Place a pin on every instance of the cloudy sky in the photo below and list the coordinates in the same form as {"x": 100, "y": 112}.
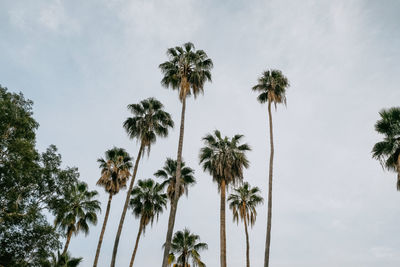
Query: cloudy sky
{"x": 83, "y": 62}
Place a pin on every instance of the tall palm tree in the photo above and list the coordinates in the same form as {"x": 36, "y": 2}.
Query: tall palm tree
{"x": 185, "y": 246}
{"x": 168, "y": 173}
{"x": 243, "y": 203}
{"x": 147, "y": 203}
{"x": 388, "y": 150}
{"x": 187, "y": 70}
{"x": 272, "y": 87}
{"x": 114, "y": 175}
{"x": 149, "y": 121}
{"x": 77, "y": 209}
{"x": 224, "y": 159}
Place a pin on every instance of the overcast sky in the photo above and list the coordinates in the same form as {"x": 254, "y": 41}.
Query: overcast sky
{"x": 83, "y": 62}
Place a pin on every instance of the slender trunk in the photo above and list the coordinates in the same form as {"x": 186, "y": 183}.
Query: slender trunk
{"x": 271, "y": 161}
{"x": 67, "y": 242}
{"x": 247, "y": 243}
{"x": 128, "y": 194}
{"x": 136, "y": 244}
{"x": 184, "y": 259}
{"x": 222, "y": 226}
{"x": 103, "y": 229}
{"x": 174, "y": 201}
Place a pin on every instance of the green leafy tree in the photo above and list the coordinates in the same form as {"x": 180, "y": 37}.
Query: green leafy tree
{"x": 272, "y": 87}
{"x": 77, "y": 209}
{"x": 243, "y": 203}
{"x": 186, "y": 246}
{"x": 33, "y": 183}
{"x": 148, "y": 122}
{"x": 388, "y": 150}
{"x": 187, "y": 70}
{"x": 224, "y": 159}
{"x": 168, "y": 173}
{"x": 147, "y": 203}
{"x": 114, "y": 175}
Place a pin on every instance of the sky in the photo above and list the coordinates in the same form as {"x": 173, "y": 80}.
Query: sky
{"x": 83, "y": 62}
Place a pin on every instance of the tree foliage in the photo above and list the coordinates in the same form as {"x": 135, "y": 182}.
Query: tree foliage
{"x": 32, "y": 183}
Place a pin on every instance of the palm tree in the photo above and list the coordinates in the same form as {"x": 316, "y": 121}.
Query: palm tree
{"x": 147, "y": 203}
{"x": 168, "y": 173}
{"x": 187, "y": 70}
{"x": 388, "y": 150}
{"x": 62, "y": 260}
{"x": 224, "y": 159}
{"x": 185, "y": 246}
{"x": 272, "y": 87}
{"x": 114, "y": 175}
{"x": 243, "y": 204}
{"x": 76, "y": 210}
{"x": 149, "y": 121}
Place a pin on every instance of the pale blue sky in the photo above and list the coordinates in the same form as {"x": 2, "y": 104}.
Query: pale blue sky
{"x": 83, "y": 62}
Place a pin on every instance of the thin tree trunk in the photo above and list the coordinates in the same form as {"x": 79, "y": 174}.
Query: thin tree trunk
{"x": 184, "y": 259}
{"x": 174, "y": 202}
{"x": 103, "y": 229}
{"x": 128, "y": 194}
{"x": 247, "y": 244}
{"x": 136, "y": 244}
{"x": 222, "y": 226}
{"x": 67, "y": 242}
{"x": 271, "y": 161}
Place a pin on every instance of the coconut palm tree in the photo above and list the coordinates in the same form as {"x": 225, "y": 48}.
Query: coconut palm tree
{"x": 114, "y": 175}
{"x": 224, "y": 159}
{"x": 185, "y": 246}
{"x": 62, "y": 260}
{"x": 148, "y": 122}
{"x": 187, "y": 70}
{"x": 388, "y": 150}
{"x": 77, "y": 209}
{"x": 272, "y": 87}
{"x": 168, "y": 173}
{"x": 147, "y": 203}
{"x": 243, "y": 203}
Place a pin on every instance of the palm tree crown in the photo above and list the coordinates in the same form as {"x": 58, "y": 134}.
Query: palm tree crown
{"x": 77, "y": 209}
{"x": 63, "y": 260}
{"x": 168, "y": 173}
{"x": 388, "y": 150}
{"x": 224, "y": 158}
{"x": 187, "y": 70}
{"x": 149, "y": 121}
{"x": 114, "y": 170}
{"x": 148, "y": 201}
{"x": 185, "y": 246}
{"x": 272, "y": 86}
{"x": 243, "y": 203}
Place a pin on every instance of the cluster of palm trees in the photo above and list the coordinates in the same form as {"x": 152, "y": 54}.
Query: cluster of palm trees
{"x": 186, "y": 70}
{"x": 224, "y": 158}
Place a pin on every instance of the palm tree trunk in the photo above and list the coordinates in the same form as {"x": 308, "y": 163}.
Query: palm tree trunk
{"x": 103, "y": 229}
{"x": 69, "y": 235}
{"x": 174, "y": 202}
{"x": 184, "y": 259}
{"x": 136, "y": 244}
{"x": 247, "y": 244}
{"x": 271, "y": 161}
{"x": 222, "y": 226}
{"x": 128, "y": 194}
